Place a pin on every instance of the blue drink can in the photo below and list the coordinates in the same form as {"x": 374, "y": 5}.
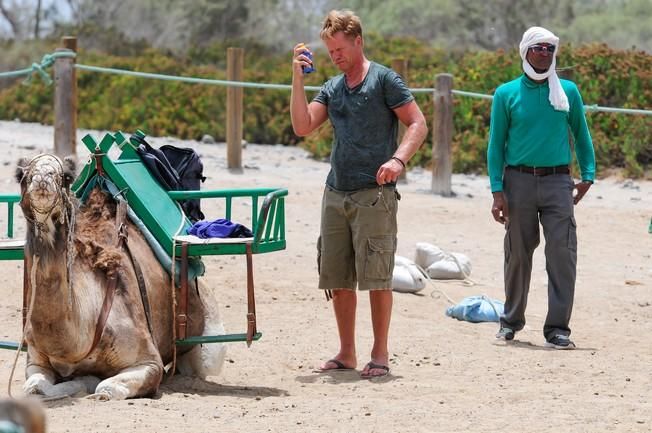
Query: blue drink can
{"x": 308, "y": 69}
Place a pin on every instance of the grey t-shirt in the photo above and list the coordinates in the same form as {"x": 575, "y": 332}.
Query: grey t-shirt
{"x": 365, "y": 126}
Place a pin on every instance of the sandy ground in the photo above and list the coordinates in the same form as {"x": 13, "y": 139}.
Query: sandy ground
{"x": 447, "y": 375}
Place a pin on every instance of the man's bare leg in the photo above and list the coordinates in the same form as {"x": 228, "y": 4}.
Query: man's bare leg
{"x": 344, "y": 305}
{"x": 381, "y": 313}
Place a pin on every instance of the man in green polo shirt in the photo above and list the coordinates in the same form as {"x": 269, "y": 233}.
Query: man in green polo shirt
{"x": 358, "y": 225}
{"x": 529, "y": 155}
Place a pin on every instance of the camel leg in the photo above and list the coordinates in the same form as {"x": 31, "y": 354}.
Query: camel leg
{"x": 39, "y": 380}
{"x": 136, "y": 381}
{"x": 76, "y": 387}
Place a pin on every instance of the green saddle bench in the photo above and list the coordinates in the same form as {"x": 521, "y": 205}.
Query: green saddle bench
{"x": 13, "y": 249}
{"x": 163, "y": 217}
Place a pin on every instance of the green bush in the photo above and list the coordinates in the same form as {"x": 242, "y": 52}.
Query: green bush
{"x": 605, "y": 76}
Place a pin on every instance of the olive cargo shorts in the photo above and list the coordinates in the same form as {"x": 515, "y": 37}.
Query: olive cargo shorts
{"x": 358, "y": 239}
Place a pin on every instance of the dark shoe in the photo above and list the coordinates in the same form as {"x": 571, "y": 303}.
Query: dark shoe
{"x": 505, "y": 333}
{"x": 560, "y": 342}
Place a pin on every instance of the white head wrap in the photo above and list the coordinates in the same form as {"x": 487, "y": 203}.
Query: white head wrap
{"x": 537, "y": 35}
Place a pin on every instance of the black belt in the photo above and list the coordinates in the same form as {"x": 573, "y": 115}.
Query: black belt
{"x": 540, "y": 171}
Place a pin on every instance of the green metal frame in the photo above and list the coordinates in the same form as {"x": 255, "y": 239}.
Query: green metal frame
{"x": 163, "y": 216}
{"x": 160, "y": 212}
{"x": 13, "y": 253}
{"x": 12, "y": 346}
{"x": 228, "y": 338}
{"x": 16, "y": 253}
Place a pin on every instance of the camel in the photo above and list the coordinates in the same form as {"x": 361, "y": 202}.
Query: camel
{"x": 75, "y": 256}
{"x": 26, "y": 415}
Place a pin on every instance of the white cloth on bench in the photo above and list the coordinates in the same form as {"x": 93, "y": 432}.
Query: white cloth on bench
{"x": 197, "y": 240}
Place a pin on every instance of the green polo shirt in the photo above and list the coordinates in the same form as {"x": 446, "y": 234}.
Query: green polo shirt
{"x": 527, "y": 130}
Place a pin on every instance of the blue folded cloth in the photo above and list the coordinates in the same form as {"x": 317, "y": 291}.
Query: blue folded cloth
{"x": 477, "y": 309}
{"x": 219, "y": 228}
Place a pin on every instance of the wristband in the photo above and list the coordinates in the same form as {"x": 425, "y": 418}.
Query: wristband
{"x": 399, "y": 160}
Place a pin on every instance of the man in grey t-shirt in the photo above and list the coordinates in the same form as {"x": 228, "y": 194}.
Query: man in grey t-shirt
{"x": 358, "y": 225}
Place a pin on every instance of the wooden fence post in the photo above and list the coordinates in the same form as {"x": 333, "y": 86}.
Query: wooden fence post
{"x": 400, "y": 66}
{"x": 442, "y": 165}
{"x": 234, "y": 112}
{"x": 65, "y": 100}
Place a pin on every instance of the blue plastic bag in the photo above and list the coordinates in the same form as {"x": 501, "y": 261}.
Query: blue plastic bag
{"x": 477, "y": 309}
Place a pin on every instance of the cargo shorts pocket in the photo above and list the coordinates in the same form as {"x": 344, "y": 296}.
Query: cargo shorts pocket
{"x": 572, "y": 234}
{"x": 380, "y": 258}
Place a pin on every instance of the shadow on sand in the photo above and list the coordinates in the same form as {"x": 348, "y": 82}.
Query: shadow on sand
{"x": 190, "y": 385}
{"x": 522, "y": 344}
{"x": 335, "y": 377}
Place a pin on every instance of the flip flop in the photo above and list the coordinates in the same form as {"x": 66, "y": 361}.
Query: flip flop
{"x": 373, "y": 366}
{"x": 339, "y": 364}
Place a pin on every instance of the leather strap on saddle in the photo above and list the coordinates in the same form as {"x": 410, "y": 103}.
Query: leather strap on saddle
{"x": 142, "y": 287}
{"x": 251, "y": 301}
{"x": 121, "y": 229}
{"x": 104, "y": 312}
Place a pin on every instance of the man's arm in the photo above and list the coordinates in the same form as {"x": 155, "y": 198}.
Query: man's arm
{"x": 583, "y": 144}
{"x": 416, "y": 130}
{"x": 305, "y": 117}
{"x": 496, "y": 157}
{"x": 498, "y": 128}
{"x": 411, "y": 116}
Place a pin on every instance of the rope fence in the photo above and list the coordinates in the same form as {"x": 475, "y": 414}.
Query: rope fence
{"x": 38, "y": 68}
{"x": 64, "y": 61}
{"x": 49, "y": 59}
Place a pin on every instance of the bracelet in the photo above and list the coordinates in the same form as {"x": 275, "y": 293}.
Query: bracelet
{"x": 399, "y": 160}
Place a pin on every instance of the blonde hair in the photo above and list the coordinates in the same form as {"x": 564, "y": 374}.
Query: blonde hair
{"x": 343, "y": 21}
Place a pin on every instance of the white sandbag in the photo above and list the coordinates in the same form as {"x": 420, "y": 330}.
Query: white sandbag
{"x": 454, "y": 266}
{"x": 427, "y": 254}
{"x": 402, "y": 261}
{"x": 407, "y": 278}
{"x": 402, "y": 279}
{"x": 442, "y": 265}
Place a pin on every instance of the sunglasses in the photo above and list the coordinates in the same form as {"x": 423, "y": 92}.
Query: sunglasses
{"x": 542, "y": 48}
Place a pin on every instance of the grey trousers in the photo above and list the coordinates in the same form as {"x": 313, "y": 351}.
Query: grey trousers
{"x": 549, "y": 200}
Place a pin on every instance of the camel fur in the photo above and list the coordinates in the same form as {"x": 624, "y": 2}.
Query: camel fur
{"x": 71, "y": 252}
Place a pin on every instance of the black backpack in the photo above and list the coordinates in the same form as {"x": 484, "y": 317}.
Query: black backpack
{"x": 176, "y": 169}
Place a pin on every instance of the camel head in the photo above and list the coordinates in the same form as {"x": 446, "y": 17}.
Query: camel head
{"x": 44, "y": 183}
